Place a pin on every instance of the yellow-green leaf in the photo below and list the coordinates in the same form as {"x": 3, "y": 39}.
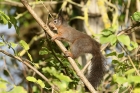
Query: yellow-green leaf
{"x": 41, "y": 83}
{"x": 13, "y": 45}
{"x": 124, "y": 39}
{"x": 130, "y": 71}
{"x": 32, "y": 79}
{"x": 24, "y": 45}
{"x": 2, "y": 43}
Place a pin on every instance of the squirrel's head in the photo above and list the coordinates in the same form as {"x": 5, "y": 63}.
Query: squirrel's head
{"x": 56, "y": 23}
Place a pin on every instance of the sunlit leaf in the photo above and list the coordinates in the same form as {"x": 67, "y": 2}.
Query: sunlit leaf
{"x": 18, "y": 89}
{"x": 41, "y": 83}
{"x": 24, "y": 45}
{"x": 32, "y": 79}
{"x": 62, "y": 77}
{"x": 13, "y": 45}
{"x": 2, "y": 43}
{"x": 136, "y": 90}
{"x": 134, "y": 44}
{"x": 62, "y": 85}
{"x": 135, "y": 79}
{"x": 4, "y": 20}
{"x": 3, "y": 86}
{"x": 130, "y": 71}
{"x": 110, "y": 39}
{"x": 119, "y": 79}
{"x": 124, "y": 39}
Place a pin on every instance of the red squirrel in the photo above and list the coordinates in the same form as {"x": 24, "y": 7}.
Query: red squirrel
{"x": 80, "y": 43}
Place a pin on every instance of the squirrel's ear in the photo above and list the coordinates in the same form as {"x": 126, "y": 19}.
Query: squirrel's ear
{"x": 60, "y": 16}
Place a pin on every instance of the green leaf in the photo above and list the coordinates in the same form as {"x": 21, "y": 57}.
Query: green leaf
{"x": 4, "y": 17}
{"x": 130, "y": 71}
{"x": 115, "y": 62}
{"x": 58, "y": 75}
{"x": 112, "y": 39}
{"x": 43, "y": 52}
{"x": 62, "y": 85}
{"x": 4, "y": 20}
{"x": 112, "y": 54}
{"x": 135, "y": 79}
{"x": 40, "y": 82}
{"x": 62, "y": 77}
{"x": 14, "y": 22}
{"x": 134, "y": 44}
{"x": 106, "y": 33}
{"x": 3, "y": 85}
{"x": 18, "y": 89}
{"x": 130, "y": 48}
{"x": 120, "y": 55}
{"x": 136, "y": 90}
{"x": 51, "y": 70}
{"x": 136, "y": 16}
{"x": 118, "y": 79}
{"x": 124, "y": 39}
{"x": 121, "y": 80}
{"x": 2, "y": 43}
{"x": 13, "y": 45}
{"x": 24, "y": 45}
{"x": 31, "y": 79}
{"x": 104, "y": 40}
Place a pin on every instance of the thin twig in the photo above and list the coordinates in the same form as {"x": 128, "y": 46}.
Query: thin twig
{"x": 129, "y": 28}
{"x": 61, "y": 46}
{"x": 127, "y": 12}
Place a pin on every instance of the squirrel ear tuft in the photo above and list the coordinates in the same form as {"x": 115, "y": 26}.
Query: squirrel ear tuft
{"x": 60, "y": 16}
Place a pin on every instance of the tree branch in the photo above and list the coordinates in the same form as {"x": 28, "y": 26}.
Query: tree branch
{"x": 61, "y": 46}
{"x": 26, "y": 62}
{"x": 38, "y": 3}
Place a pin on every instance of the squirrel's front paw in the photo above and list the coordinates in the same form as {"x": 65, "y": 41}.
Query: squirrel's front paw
{"x": 53, "y": 38}
{"x": 68, "y": 54}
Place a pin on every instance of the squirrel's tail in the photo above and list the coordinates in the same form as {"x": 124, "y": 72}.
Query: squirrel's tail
{"x": 97, "y": 69}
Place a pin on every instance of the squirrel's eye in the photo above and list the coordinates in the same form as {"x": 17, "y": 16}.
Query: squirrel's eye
{"x": 55, "y": 21}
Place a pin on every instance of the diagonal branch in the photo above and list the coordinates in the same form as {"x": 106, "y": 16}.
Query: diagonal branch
{"x": 26, "y": 62}
{"x": 61, "y": 46}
